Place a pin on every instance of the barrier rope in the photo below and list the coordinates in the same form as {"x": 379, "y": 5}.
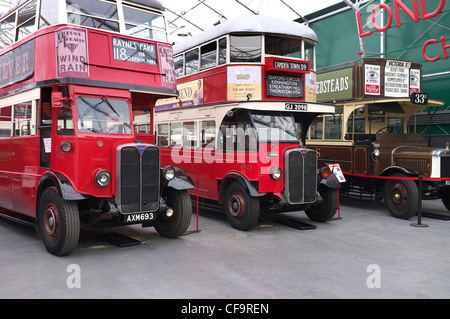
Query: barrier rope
{"x": 420, "y": 180}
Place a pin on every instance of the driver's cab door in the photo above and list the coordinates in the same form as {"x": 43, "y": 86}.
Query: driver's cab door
{"x": 45, "y": 128}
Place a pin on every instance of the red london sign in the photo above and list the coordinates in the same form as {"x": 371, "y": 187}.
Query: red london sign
{"x": 414, "y": 15}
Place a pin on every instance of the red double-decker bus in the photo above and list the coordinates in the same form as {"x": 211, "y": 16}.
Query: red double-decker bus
{"x": 78, "y": 83}
{"x": 246, "y": 100}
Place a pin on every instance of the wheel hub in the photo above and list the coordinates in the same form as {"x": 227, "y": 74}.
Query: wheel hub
{"x": 51, "y": 224}
{"x": 235, "y": 205}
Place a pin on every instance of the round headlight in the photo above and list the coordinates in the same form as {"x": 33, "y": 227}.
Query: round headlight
{"x": 376, "y": 152}
{"x": 169, "y": 173}
{"x": 66, "y": 146}
{"x": 275, "y": 172}
{"x": 103, "y": 178}
{"x": 325, "y": 172}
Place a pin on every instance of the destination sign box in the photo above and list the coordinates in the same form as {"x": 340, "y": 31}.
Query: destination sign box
{"x": 284, "y": 86}
{"x": 134, "y": 51}
{"x": 276, "y": 64}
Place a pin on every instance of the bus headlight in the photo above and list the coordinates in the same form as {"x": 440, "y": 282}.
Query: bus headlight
{"x": 376, "y": 152}
{"x": 275, "y": 172}
{"x": 169, "y": 173}
{"x": 103, "y": 178}
{"x": 325, "y": 172}
{"x": 66, "y": 146}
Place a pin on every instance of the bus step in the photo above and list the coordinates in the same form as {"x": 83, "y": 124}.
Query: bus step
{"x": 295, "y": 223}
{"x": 16, "y": 218}
{"x": 443, "y": 216}
{"x": 119, "y": 239}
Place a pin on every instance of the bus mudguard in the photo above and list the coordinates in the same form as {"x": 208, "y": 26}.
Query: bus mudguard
{"x": 253, "y": 191}
{"x": 330, "y": 182}
{"x": 63, "y": 185}
{"x": 399, "y": 169}
{"x": 180, "y": 181}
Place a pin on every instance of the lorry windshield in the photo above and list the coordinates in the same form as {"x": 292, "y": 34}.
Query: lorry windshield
{"x": 103, "y": 115}
{"x": 273, "y": 127}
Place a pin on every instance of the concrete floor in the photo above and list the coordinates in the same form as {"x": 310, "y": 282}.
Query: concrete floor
{"x": 338, "y": 259}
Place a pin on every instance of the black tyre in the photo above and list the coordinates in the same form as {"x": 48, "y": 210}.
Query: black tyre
{"x": 328, "y": 208}
{"x": 177, "y": 224}
{"x": 59, "y": 223}
{"x": 241, "y": 209}
{"x": 401, "y": 197}
{"x": 445, "y": 196}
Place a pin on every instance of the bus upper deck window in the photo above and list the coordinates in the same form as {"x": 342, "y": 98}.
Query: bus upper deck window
{"x": 191, "y": 59}
{"x": 208, "y": 54}
{"x": 291, "y": 48}
{"x": 178, "y": 61}
{"x": 7, "y": 31}
{"x": 144, "y": 24}
{"x": 222, "y": 51}
{"x": 26, "y": 20}
{"x": 49, "y": 13}
{"x": 310, "y": 54}
{"x": 245, "y": 48}
{"x": 93, "y": 13}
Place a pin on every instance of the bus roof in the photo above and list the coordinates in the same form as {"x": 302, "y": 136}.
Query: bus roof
{"x": 249, "y": 24}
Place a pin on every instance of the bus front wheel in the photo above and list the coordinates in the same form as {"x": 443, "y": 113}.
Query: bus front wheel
{"x": 445, "y": 196}
{"x": 177, "y": 224}
{"x": 401, "y": 197}
{"x": 59, "y": 223}
{"x": 241, "y": 209}
{"x": 328, "y": 208}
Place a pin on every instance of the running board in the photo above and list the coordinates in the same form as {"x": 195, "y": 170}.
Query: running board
{"x": 18, "y": 220}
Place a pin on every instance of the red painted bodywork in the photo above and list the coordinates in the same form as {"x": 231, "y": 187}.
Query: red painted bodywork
{"x": 20, "y": 171}
{"x": 208, "y": 167}
{"x": 206, "y": 173}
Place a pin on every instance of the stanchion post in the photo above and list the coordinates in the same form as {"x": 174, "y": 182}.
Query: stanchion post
{"x": 419, "y": 213}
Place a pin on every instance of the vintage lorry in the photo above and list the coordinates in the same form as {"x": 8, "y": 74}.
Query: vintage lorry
{"x": 368, "y": 135}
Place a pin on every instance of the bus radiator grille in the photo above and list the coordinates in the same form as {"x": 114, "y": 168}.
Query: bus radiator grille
{"x": 138, "y": 188}
{"x": 301, "y": 176}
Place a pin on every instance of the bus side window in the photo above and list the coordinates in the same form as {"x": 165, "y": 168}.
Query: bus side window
{"x": 191, "y": 59}
{"x": 65, "y": 120}
{"x": 395, "y": 124}
{"x": 190, "y": 134}
{"x": 222, "y": 51}
{"x": 208, "y": 53}
{"x": 178, "y": 61}
{"x": 333, "y": 127}
{"x": 175, "y": 134}
{"x": 246, "y": 48}
{"x": 163, "y": 134}
{"x": 5, "y": 121}
{"x": 246, "y": 135}
{"x": 227, "y": 139}
{"x": 22, "y": 119}
{"x": 208, "y": 134}
{"x": 142, "y": 120}
{"x": 316, "y": 129}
